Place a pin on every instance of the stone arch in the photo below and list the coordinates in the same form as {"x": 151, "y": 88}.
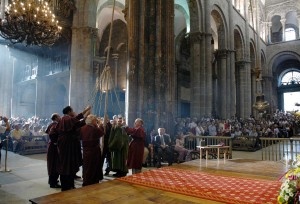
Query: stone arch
{"x": 196, "y": 16}
{"x": 85, "y": 14}
{"x": 263, "y": 61}
{"x": 253, "y": 57}
{"x": 239, "y": 44}
{"x": 276, "y": 59}
{"x": 221, "y": 26}
{"x": 104, "y": 13}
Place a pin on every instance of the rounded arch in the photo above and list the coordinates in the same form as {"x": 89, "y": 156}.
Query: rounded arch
{"x": 104, "y": 13}
{"x": 196, "y": 16}
{"x": 253, "y": 57}
{"x": 263, "y": 60}
{"x": 218, "y": 18}
{"x": 85, "y": 14}
{"x": 280, "y": 57}
{"x": 239, "y": 44}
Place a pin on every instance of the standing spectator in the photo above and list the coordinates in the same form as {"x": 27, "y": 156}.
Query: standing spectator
{"x": 52, "y": 153}
{"x": 90, "y": 136}
{"x": 2, "y": 131}
{"x": 136, "y": 146}
{"x": 70, "y": 158}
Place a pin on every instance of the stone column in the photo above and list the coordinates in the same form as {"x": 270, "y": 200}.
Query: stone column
{"x": 222, "y": 85}
{"x": 231, "y": 83}
{"x": 298, "y": 34}
{"x": 197, "y": 83}
{"x": 132, "y": 17}
{"x": 208, "y": 75}
{"x": 269, "y": 31}
{"x": 283, "y": 29}
{"x": 81, "y": 71}
{"x": 115, "y": 57}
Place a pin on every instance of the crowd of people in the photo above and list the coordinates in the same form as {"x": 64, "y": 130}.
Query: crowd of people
{"x": 83, "y": 139}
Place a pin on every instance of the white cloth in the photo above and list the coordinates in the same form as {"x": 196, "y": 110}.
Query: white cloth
{"x": 2, "y": 129}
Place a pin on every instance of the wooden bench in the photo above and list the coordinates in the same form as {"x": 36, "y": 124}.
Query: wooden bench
{"x": 33, "y": 145}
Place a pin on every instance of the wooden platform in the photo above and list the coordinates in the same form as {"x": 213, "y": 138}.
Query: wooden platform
{"x": 121, "y": 192}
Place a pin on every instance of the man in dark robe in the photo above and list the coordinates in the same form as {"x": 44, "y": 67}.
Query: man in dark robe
{"x": 106, "y": 153}
{"x": 90, "y": 135}
{"x": 136, "y": 146}
{"x": 118, "y": 146}
{"x": 52, "y": 153}
{"x": 70, "y": 158}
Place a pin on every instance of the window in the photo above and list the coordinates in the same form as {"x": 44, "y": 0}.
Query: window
{"x": 291, "y": 78}
{"x": 290, "y": 34}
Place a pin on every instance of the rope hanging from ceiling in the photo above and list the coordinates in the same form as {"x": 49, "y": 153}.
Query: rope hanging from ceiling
{"x": 104, "y": 90}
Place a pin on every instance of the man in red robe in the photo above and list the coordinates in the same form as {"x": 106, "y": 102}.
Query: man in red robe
{"x": 90, "y": 135}
{"x": 52, "y": 153}
{"x": 136, "y": 146}
{"x": 70, "y": 158}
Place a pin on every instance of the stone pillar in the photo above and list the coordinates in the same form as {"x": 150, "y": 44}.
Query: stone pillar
{"x": 298, "y": 34}
{"x": 269, "y": 31}
{"x": 115, "y": 57}
{"x": 222, "y": 85}
{"x": 231, "y": 82}
{"x": 81, "y": 85}
{"x": 208, "y": 75}
{"x": 132, "y": 17}
{"x": 283, "y": 29}
{"x": 197, "y": 83}
{"x": 7, "y": 81}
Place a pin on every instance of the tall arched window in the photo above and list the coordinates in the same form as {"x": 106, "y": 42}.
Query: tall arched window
{"x": 290, "y": 34}
{"x": 291, "y": 78}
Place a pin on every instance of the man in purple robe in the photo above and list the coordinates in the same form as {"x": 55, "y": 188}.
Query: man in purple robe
{"x": 70, "y": 158}
{"x": 90, "y": 135}
{"x": 52, "y": 153}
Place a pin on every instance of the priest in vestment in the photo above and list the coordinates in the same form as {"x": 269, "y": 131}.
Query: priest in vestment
{"x": 90, "y": 136}
{"x": 118, "y": 146}
{"x": 52, "y": 153}
{"x": 70, "y": 157}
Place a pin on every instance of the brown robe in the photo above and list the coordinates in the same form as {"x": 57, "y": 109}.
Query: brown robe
{"x": 92, "y": 169}
{"x": 136, "y": 147}
{"x": 52, "y": 153}
{"x": 70, "y": 158}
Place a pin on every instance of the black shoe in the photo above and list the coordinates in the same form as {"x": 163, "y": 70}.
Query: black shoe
{"x": 158, "y": 165}
{"x": 55, "y": 186}
{"x": 144, "y": 165}
{"x": 170, "y": 164}
{"x": 106, "y": 173}
{"x": 116, "y": 175}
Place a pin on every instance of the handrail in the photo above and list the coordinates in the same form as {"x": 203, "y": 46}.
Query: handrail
{"x": 277, "y": 149}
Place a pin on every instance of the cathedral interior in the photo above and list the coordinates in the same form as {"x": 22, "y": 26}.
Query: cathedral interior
{"x": 167, "y": 59}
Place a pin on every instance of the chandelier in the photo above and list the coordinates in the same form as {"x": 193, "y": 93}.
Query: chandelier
{"x": 30, "y": 22}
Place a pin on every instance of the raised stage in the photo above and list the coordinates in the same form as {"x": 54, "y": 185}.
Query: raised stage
{"x": 235, "y": 181}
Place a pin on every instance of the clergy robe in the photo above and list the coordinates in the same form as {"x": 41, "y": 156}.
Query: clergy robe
{"x": 70, "y": 158}
{"x": 136, "y": 147}
{"x": 92, "y": 168}
{"x": 52, "y": 154}
{"x": 118, "y": 146}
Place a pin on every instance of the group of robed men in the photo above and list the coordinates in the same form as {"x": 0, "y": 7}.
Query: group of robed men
{"x": 66, "y": 154}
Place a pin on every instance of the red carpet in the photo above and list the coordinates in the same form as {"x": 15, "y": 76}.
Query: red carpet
{"x": 224, "y": 189}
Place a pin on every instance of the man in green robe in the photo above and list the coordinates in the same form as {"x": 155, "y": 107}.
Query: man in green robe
{"x": 118, "y": 146}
